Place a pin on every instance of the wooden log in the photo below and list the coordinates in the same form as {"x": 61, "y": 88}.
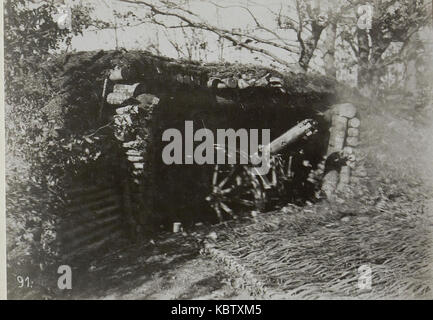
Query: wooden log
{"x": 92, "y": 236}
{"x": 131, "y": 144}
{"x": 346, "y": 110}
{"x": 252, "y": 82}
{"x": 93, "y": 247}
{"x": 338, "y": 134}
{"x": 213, "y": 82}
{"x": 276, "y": 82}
{"x": 352, "y": 132}
{"x": 91, "y": 225}
{"x": 344, "y": 180}
{"x": 347, "y": 151}
{"x": 339, "y": 122}
{"x": 221, "y": 85}
{"x": 242, "y": 84}
{"x": 247, "y": 76}
{"x": 117, "y": 97}
{"x": 336, "y": 144}
{"x": 135, "y": 158}
{"x": 132, "y": 152}
{"x": 73, "y": 192}
{"x": 128, "y": 217}
{"x": 137, "y": 173}
{"x": 354, "y": 123}
{"x": 262, "y": 82}
{"x": 126, "y": 88}
{"x": 127, "y": 109}
{"x": 105, "y": 211}
{"x": 88, "y": 194}
{"x": 131, "y": 109}
{"x": 138, "y": 165}
{"x": 231, "y": 82}
{"x": 352, "y": 141}
{"x": 329, "y": 183}
{"x": 110, "y": 200}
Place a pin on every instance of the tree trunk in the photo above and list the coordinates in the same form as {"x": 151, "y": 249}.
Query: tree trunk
{"x": 372, "y": 44}
{"x": 329, "y": 58}
{"x": 410, "y": 81}
{"x": 363, "y": 63}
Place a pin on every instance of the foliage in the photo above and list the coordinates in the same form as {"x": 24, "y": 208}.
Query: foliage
{"x": 33, "y": 157}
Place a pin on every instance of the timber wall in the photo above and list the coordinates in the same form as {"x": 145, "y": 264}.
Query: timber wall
{"x": 93, "y": 220}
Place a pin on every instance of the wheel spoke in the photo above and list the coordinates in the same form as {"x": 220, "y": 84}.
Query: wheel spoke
{"x": 274, "y": 176}
{"x": 218, "y": 211}
{"x": 215, "y": 176}
{"x": 226, "y": 208}
{"x": 224, "y": 181}
{"x": 228, "y": 190}
{"x": 289, "y": 167}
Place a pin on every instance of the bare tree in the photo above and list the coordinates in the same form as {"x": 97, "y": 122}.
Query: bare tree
{"x": 296, "y": 30}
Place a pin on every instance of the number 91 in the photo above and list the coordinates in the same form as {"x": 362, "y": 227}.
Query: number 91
{"x": 23, "y": 281}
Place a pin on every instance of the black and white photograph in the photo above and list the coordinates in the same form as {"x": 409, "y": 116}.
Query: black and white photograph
{"x": 217, "y": 150}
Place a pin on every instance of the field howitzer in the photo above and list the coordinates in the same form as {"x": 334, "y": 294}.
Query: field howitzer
{"x": 238, "y": 188}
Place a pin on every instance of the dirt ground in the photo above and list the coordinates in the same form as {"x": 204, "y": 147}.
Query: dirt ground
{"x": 168, "y": 267}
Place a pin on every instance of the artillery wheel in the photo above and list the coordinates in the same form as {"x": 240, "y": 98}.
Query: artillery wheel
{"x": 235, "y": 190}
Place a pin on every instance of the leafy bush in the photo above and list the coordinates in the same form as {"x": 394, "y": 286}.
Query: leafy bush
{"x": 37, "y": 159}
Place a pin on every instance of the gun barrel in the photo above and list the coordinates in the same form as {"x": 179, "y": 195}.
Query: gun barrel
{"x": 304, "y": 128}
